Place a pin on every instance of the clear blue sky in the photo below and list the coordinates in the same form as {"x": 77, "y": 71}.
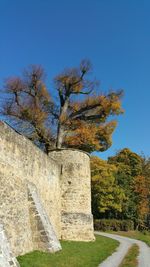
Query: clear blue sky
{"x": 113, "y": 34}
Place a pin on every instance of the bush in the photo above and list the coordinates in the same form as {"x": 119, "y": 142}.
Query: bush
{"x": 113, "y": 225}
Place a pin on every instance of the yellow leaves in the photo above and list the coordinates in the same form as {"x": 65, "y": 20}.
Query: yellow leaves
{"x": 90, "y": 101}
{"x": 42, "y": 91}
{"x": 101, "y": 106}
{"x": 33, "y": 114}
{"x": 90, "y": 136}
{"x": 84, "y": 121}
{"x": 70, "y": 82}
{"x": 83, "y": 134}
{"x": 101, "y": 166}
{"x": 107, "y": 128}
{"x": 106, "y": 194}
{"x": 39, "y": 115}
{"x": 75, "y": 106}
{"x": 116, "y": 107}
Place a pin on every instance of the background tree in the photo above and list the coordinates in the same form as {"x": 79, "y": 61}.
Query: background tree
{"x": 121, "y": 188}
{"x": 107, "y": 196}
{"x": 146, "y": 173}
{"x": 129, "y": 165}
{"x": 77, "y": 117}
{"x": 141, "y": 192}
{"x": 132, "y": 178}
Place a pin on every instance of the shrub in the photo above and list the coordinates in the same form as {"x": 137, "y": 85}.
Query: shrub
{"x": 113, "y": 225}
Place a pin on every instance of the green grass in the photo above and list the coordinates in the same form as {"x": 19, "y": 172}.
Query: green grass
{"x": 143, "y": 236}
{"x": 130, "y": 259}
{"x": 73, "y": 254}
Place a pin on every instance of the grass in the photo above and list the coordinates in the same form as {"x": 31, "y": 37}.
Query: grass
{"x": 143, "y": 236}
{"x": 73, "y": 254}
{"x": 130, "y": 259}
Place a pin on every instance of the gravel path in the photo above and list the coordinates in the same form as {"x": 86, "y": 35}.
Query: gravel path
{"x": 125, "y": 243}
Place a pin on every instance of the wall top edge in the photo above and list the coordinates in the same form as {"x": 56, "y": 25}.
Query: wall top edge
{"x": 7, "y": 126}
{"x": 4, "y": 123}
{"x": 69, "y": 149}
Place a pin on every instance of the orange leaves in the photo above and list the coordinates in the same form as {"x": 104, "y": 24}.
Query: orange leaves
{"x": 116, "y": 107}
{"x": 90, "y": 101}
{"x": 28, "y": 102}
{"x": 72, "y": 81}
{"x": 83, "y": 123}
{"x": 69, "y": 82}
{"x": 100, "y": 107}
{"x": 78, "y": 117}
{"x": 83, "y": 136}
{"x": 42, "y": 91}
{"x": 142, "y": 191}
{"x": 75, "y": 106}
{"x": 90, "y": 137}
{"x": 140, "y": 185}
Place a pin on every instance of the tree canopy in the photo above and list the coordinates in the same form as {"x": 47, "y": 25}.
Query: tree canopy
{"x": 128, "y": 174}
{"x": 107, "y": 196}
{"x": 72, "y": 114}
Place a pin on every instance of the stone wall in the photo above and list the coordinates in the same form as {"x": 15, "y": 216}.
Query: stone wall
{"x": 6, "y": 257}
{"x": 43, "y": 235}
{"x": 76, "y": 217}
{"x": 60, "y": 201}
{"x": 20, "y": 162}
{"x": 14, "y": 213}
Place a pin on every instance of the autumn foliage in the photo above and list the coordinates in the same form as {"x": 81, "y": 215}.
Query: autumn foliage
{"x": 121, "y": 188}
{"x": 73, "y": 114}
{"x": 107, "y": 195}
{"x": 141, "y": 192}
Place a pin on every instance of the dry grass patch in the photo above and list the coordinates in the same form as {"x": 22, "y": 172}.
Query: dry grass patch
{"x": 130, "y": 259}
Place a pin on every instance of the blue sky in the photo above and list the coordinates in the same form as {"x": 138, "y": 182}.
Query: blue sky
{"x": 113, "y": 34}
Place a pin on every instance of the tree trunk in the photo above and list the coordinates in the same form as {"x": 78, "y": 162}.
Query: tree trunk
{"x": 60, "y": 135}
{"x": 60, "y": 128}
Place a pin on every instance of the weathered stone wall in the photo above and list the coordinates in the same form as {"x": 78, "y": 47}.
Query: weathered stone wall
{"x": 20, "y": 162}
{"x": 43, "y": 235}
{"x": 76, "y": 217}
{"x": 60, "y": 202}
{"x": 14, "y": 213}
{"x": 6, "y": 257}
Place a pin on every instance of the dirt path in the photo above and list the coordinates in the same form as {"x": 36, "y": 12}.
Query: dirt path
{"x": 125, "y": 243}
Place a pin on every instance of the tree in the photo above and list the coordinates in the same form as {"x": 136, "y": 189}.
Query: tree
{"x": 133, "y": 176}
{"x": 107, "y": 196}
{"x": 130, "y": 159}
{"x": 141, "y": 192}
{"x": 77, "y": 117}
{"x": 129, "y": 165}
{"x": 146, "y": 173}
